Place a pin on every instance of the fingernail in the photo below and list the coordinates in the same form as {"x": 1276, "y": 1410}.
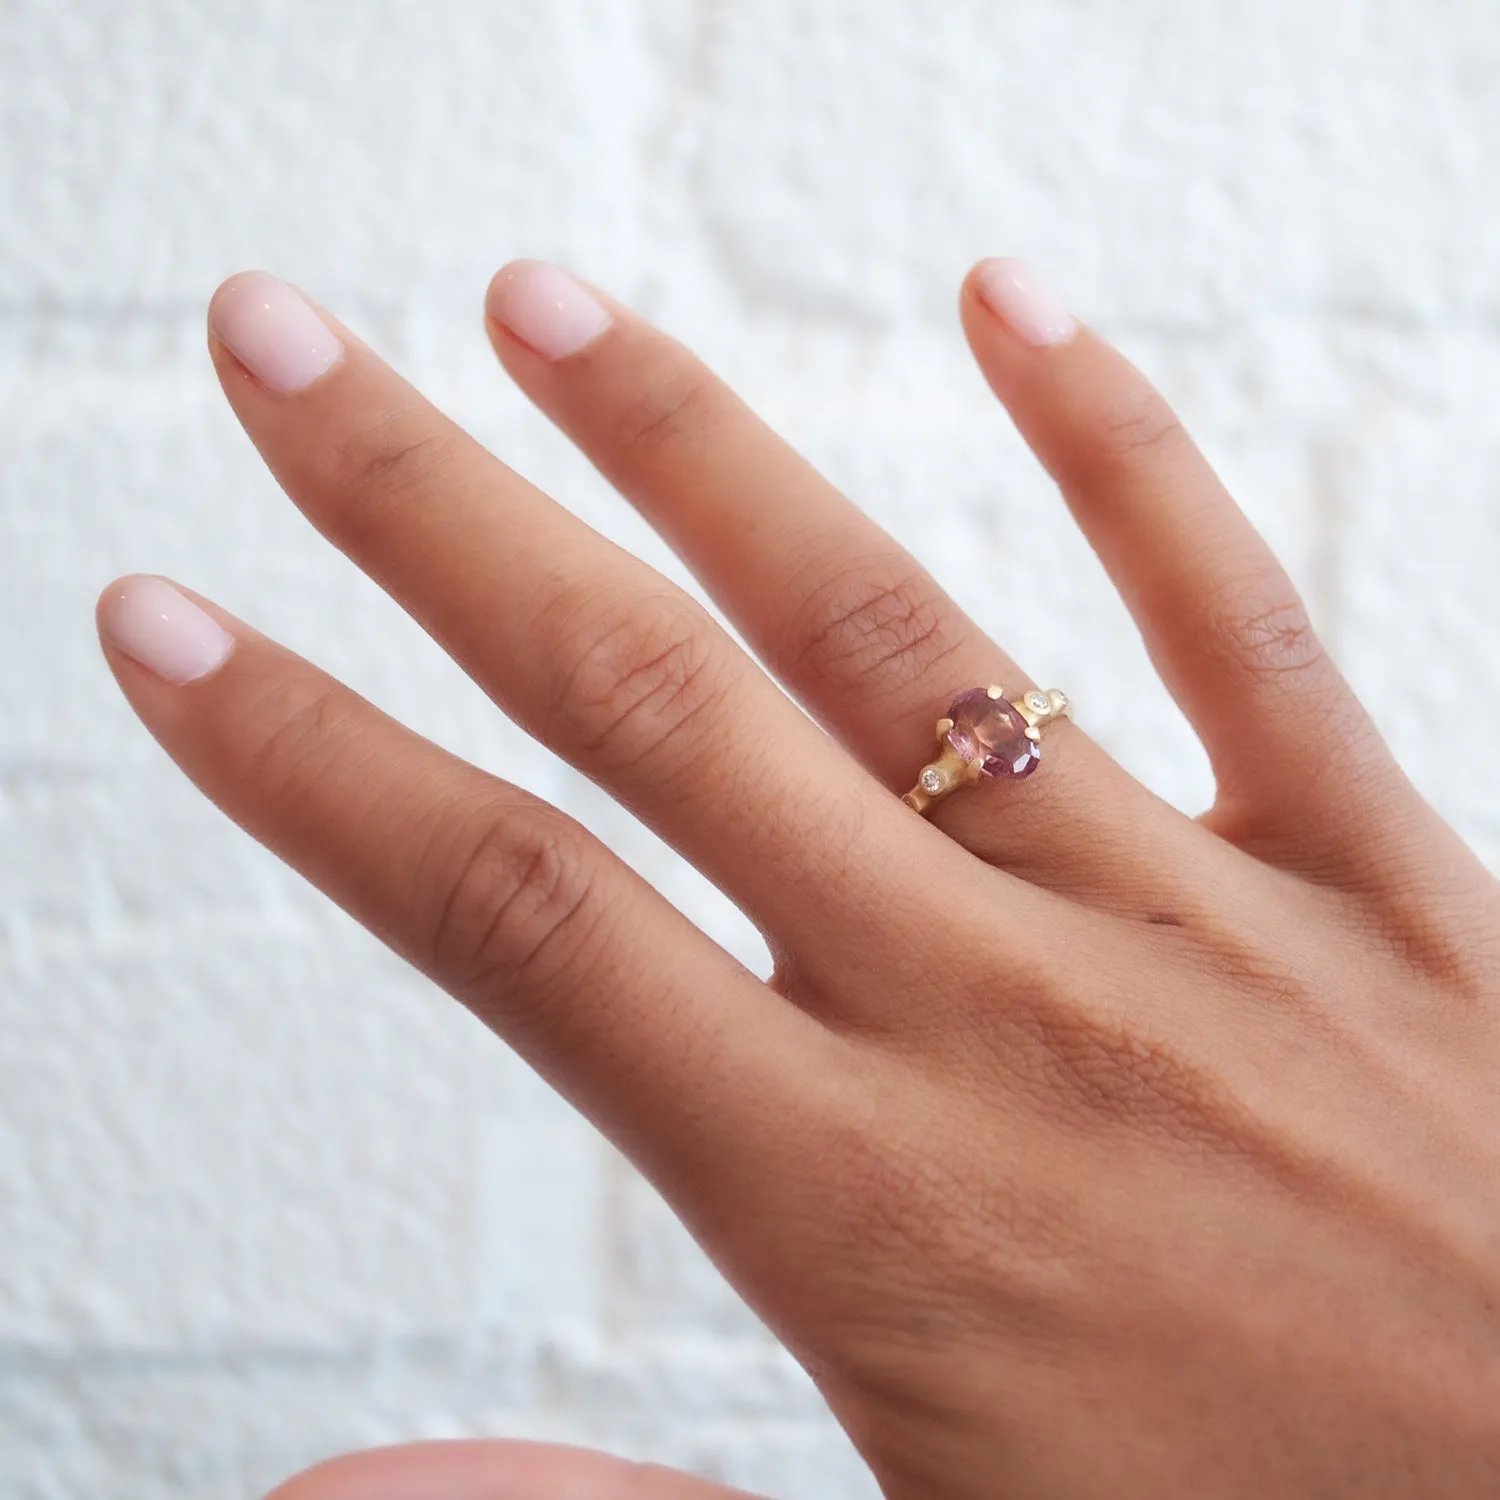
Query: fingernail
{"x": 165, "y": 632}
{"x": 273, "y": 331}
{"x": 545, "y": 308}
{"x": 1015, "y": 293}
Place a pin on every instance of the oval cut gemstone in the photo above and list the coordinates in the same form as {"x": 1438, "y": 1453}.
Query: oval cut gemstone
{"x": 990, "y": 731}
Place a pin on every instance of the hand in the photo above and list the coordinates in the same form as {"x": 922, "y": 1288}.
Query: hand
{"x": 1077, "y": 1148}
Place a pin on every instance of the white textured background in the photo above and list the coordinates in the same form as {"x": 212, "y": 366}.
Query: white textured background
{"x": 263, "y": 1194}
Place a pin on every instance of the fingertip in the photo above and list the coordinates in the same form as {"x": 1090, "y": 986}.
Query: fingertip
{"x": 152, "y": 622}
{"x": 115, "y": 598}
{"x": 545, "y": 308}
{"x": 108, "y": 600}
{"x": 505, "y": 277}
{"x": 232, "y": 287}
{"x": 273, "y": 331}
{"x": 968, "y": 289}
{"x": 1016, "y": 297}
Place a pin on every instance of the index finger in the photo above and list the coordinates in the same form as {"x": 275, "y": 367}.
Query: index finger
{"x": 661, "y": 1038}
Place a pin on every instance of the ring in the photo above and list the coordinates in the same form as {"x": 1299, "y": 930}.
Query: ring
{"x": 986, "y": 734}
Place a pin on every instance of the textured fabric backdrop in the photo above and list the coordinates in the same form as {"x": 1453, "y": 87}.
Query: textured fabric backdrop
{"x": 265, "y": 1195}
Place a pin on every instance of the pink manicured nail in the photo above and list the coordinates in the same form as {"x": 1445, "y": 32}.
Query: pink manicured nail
{"x": 1014, "y": 292}
{"x": 168, "y": 634}
{"x": 273, "y": 331}
{"x": 545, "y": 308}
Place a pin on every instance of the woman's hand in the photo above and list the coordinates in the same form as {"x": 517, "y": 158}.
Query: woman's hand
{"x": 1077, "y": 1147}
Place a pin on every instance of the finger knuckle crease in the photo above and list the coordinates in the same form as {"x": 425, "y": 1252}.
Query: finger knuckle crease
{"x": 664, "y": 414}
{"x": 647, "y": 677}
{"x": 391, "y": 456}
{"x": 504, "y": 914}
{"x": 1275, "y": 641}
{"x": 1137, "y": 427}
{"x": 306, "y": 722}
{"x": 866, "y": 627}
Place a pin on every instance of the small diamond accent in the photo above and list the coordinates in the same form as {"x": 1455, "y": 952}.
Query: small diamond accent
{"x": 931, "y": 780}
{"x": 1062, "y": 700}
{"x": 1037, "y": 703}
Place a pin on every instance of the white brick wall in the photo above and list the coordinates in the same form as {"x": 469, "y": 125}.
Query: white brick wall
{"x": 264, "y": 1195}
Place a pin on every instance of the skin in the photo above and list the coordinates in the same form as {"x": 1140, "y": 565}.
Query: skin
{"x": 1077, "y": 1148}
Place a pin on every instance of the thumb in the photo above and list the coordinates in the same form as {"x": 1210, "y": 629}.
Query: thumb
{"x": 494, "y": 1471}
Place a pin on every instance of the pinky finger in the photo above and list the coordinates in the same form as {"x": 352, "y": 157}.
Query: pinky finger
{"x": 613, "y": 996}
{"x": 1298, "y": 763}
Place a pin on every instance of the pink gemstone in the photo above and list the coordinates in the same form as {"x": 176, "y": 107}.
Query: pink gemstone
{"x": 991, "y": 731}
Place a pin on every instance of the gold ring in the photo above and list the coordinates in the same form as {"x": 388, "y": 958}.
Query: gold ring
{"x": 986, "y": 734}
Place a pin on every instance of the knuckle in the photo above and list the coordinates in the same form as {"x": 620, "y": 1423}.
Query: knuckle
{"x": 645, "y": 674}
{"x": 514, "y": 913}
{"x": 872, "y": 624}
{"x": 668, "y": 410}
{"x": 1272, "y": 641}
